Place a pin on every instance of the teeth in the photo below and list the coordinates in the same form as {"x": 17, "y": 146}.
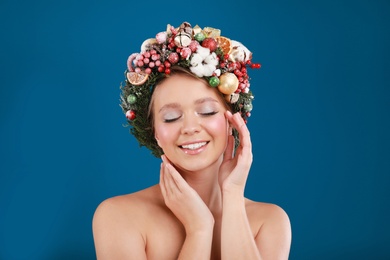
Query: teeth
{"x": 193, "y": 146}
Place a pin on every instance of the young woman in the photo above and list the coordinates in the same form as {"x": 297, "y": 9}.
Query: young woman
{"x": 191, "y": 109}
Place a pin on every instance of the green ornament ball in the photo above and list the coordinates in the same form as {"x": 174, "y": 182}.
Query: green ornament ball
{"x": 214, "y": 82}
{"x": 131, "y": 99}
{"x": 200, "y": 37}
{"x": 248, "y": 107}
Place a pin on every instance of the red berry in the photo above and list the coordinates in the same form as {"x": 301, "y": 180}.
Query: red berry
{"x": 167, "y": 71}
{"x": 167, "y": 64}
{"x": 173, "y": 58}
{"x": 210, "y": 43}
{"x": 255, "y": 66}
{"x": 161, "y": 68}
{"x": 238, "y": 72}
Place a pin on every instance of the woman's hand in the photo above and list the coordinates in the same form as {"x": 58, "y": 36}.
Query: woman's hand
{"x": 234, "y": 170}
{"x": 184, "y": 201}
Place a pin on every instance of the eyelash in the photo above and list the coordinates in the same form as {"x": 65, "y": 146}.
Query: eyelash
{"x": 209, "y": 113}
{"x": 171, "y": 120}
{"x": 203, "y": 114}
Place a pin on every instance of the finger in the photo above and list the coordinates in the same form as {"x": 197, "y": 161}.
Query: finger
{"x": 162, "y": 182}
{"x": 167, "y": 175}
{"x": 170, "y": 183}
{"x": 165, "y": 159}
{"x": 179, "y": 182}
{"x": 243, "y": 131}
{"x": 229, "y": 116}
{"x": 228, "y": 154}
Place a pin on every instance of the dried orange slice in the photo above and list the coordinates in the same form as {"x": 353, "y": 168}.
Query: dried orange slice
{"x": 137, "y": 79}
{"x": 224, "y": 43}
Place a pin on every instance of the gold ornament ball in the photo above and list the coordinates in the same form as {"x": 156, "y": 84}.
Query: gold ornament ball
{"x": 228, "y": 83}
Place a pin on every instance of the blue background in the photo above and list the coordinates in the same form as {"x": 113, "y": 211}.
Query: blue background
{"x": 320, "y": 126}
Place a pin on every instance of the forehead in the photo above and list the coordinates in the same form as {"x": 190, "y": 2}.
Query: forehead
{"x": 183, "y": 89}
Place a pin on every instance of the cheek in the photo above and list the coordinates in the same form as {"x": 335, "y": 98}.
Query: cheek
{"x": 164, "y": 133}
{"x": 218, "y": 125}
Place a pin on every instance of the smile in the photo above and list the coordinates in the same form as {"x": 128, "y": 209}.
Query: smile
{"x": 193, "y": 146}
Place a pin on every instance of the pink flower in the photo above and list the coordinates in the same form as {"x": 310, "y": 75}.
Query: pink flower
{"x": 161, "y": 37}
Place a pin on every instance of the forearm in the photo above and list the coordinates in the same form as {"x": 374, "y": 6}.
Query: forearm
{"x": 237, "y": 241}
{"x": 197, "y": 245}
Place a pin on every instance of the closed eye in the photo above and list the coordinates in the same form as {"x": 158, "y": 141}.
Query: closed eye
{"x": 170, "y": 120}
{"x": 209, "y": 113}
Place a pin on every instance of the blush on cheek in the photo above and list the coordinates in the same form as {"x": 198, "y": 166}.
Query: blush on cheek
{"x": 163, "y": 134}
{"x": 218, "y": 124}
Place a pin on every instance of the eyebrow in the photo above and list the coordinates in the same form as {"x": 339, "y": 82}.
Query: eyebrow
{"x": 206, "y": 99}
{"x": 198, "y": 101}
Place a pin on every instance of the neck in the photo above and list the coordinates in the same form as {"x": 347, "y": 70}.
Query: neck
{"x": 205, "y": 183}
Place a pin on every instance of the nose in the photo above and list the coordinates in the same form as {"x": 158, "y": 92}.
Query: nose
{"x": 191, "y": 124}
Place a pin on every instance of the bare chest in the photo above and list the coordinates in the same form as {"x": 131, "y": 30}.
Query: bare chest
{"x": 166, "y": 236}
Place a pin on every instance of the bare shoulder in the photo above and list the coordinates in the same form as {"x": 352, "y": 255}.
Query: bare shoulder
{"x": 271, "y": 227}
{"x": 266, "y": 212}
{"x": 129, "y": 206}
{"x": 119, "y": 224}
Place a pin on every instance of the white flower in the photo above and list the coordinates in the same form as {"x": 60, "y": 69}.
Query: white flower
{"x": 202, "y": 51}
{"x": 211, "y": 59}
{"x": 208, "y": 69}
{"x": 196, "y": 59}
{"x": 197, "y": 70}
{"x": 203, "y": 63}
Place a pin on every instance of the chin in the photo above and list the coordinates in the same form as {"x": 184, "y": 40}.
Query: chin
{"x": 196, "y": 163}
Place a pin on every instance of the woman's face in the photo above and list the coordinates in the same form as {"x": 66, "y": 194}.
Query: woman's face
{"x": 189, "y": 122}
